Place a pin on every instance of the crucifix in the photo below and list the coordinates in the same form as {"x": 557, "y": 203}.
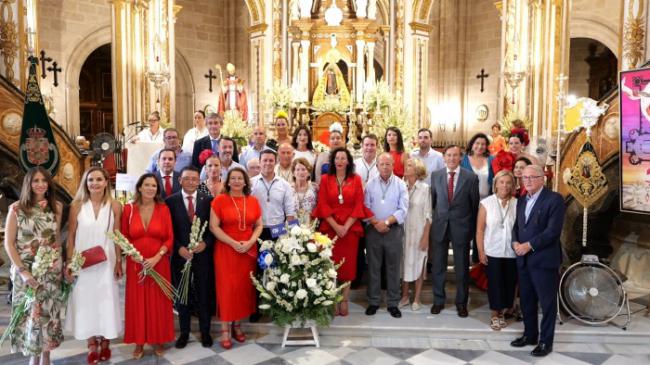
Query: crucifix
{"x": 482, "y": 76}
{"x": 55, "y": 70}
{"x": 210, "y": 76}
{"x": 44, "y": 60}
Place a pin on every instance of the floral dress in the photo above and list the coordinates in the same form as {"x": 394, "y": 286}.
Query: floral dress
{"x": 40, "y": 330}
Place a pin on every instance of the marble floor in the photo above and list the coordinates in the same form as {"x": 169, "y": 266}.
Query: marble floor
{"x": 416, "y": 338}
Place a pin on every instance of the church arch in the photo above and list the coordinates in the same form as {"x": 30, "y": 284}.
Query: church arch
{"x": 185, "y": 94}
{"x": 422, "y": 10}
{"x": 589, "y": 28}
{"x": 256, "y": 11}
{"x": 94, "y": 40}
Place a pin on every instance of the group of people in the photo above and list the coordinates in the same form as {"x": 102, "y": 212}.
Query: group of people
{"x": 395, "y": 210}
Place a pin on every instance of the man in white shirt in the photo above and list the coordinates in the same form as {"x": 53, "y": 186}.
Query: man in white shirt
{"x": 198, "y": 131}
{"x": 259, "y": 144}
{"x": 285, "y": 157}
{"x": 227, "y": 149}
{"x": 431, "y": 158}
{"x": 366, "y": 166}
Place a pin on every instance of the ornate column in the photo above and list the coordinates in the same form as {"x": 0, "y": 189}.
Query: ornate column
{"x": 159, "y": 69}
{"x": 18, "y": 29}
{"x": 418, "y": 78}
{"x": 295, "y": 73}
{"x": 277, "y": 41}
{"x": 634, "y": 48}
{"x": 398, "y": 78}
{"x": 304, "y": 69}
{"x": 256, "y": 83}
{"x": 370, "y": 67}
{"x": 360, "y": 69}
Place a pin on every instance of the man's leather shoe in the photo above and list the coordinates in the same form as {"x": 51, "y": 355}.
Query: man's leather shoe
{"x": 523, "y": 341}
{"x": 255, "y": 317}
{"x": 206, "y": 340}
{"x": 181, "y": 342}
{"x": 371, "y": 310}
{"x": 394, "y": 312}
{"x": 541, "y": 350}
{"x": 462, "y": 310}
{"x": 436, "y": 308}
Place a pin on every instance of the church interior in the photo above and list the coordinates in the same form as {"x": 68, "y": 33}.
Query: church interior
{"x": 457, "y": 67}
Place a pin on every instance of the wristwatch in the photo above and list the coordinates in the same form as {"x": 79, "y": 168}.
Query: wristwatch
{"x": 21, "y": 269}
{"x": 387, "y": 223}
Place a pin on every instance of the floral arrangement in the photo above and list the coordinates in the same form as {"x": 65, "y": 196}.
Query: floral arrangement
{"x": 75, "y": 265}
{"x": 331, "y": 104}
{"x": 299, "y": 280}
{"x": 45, "y": 259}
{"x": 129, "y": 250}
{"x": 380, "y": 98}
{"x": 513, "y": 121}
{"x": 236, "y": 128}
{"x": 196, "y": 236}
{"x": 320, "y": 147}
{"x": 387, "y": 110}
{"x": 126, "y": 198}
{"x": 280, "y": 97}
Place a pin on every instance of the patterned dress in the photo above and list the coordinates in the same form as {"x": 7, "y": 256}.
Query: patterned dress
{"x": 41, "y": 329}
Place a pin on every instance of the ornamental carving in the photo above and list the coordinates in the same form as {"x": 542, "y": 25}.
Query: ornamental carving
{"x": 399, "y": 43}
{"x": 634, "y": 35}
{"x": 277, "y": 40}
{"x": 8, "y": 38}
{"x": 587, "y": 182}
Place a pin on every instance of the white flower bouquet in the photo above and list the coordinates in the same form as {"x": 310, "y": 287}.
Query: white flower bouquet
{"x": 45, "y": 259}
{"x": 129, "y": 250}
{"x": 75, "y": 265}
{"x": 236, "y": 128}
{"x": 196, "y": 236}
{"x": 299, "y": 281}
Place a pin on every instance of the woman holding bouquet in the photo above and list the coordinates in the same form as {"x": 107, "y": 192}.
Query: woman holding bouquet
{"x": 340, "y": 208}
{"x": 146, "y": 223}
{"x": 236, "y": 222}
{"x": 32, "y": 232}
{"x": 94, "y": 307}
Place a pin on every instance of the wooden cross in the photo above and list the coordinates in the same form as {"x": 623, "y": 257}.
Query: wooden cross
{"x": 55, "y": 70}
{"x": 482, "y": 76}
{"x": 44, "y": 60}
{"x": 210, "y": 76}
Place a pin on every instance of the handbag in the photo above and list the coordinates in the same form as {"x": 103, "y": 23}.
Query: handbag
{"x": 95, "y": 255}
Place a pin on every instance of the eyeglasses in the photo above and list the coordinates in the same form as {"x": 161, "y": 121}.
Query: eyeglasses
{"x": 153, "y": 120}
{"x": 530, "y": 178}
{"x": 171, "y": 137}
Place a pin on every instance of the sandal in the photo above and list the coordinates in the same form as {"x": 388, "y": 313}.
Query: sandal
{"x": 93, "y": 356}
{"x": 494, "y": 324}
{"x": 138, "y": 353}
{"x": 403, "y": 303}
{"x": 159, "y": 350}
{"x": 502, "y": 321}
{"x": 226, "y": 344}
{"x": 237, "y": 333}
{"x": 105, "y": 352}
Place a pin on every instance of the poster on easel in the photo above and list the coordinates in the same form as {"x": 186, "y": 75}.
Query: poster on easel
{"x": 634, "y": 161}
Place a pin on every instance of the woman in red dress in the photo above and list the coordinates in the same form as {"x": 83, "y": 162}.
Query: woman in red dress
{"x": 340, "y": 207}
{"x": 394, "y": 144}
{"x": 147, "y": 224}
{"x": 236, "y": 222}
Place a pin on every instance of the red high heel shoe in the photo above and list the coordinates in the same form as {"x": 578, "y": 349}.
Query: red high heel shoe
{"x": 93, "y": 356}
{"x": 240, "y": 337}
{"x": 105, "y": 351}
{"x": 226, "y": 344}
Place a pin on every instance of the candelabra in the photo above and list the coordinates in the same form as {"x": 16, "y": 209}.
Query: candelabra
{"x": 514, "y": 78}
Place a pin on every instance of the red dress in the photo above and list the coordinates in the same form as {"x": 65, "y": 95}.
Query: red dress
{"x": 328, "y": 205}
{"x": 235, "y": 290}
{"x": 148, "y": 312}
{"x": 398, "y": 165}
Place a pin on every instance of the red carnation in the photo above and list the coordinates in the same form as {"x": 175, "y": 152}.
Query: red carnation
{"x": 504, "y": 160}
{"x": 204, "y": 155}
{"x": 522, "y": 133}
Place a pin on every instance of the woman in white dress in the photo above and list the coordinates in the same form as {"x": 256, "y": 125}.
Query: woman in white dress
{"x": 198, "y": 131}
{"x": 305, "y": 192}
{"x": 496, "y": 217}
{"x": 94, "y": 312}
{"x": 302, "y": 145}
{"x": 416, "y": 228}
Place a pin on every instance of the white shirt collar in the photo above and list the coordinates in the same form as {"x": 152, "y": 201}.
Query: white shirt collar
{"x": 185, "y": 195}
{"x": 454, "y": 170}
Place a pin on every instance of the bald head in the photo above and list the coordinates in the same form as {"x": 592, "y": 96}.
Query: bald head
{"x": 259, "y": 136}
{"x": 385, "y": 165}
{"x": 285, "y": 155}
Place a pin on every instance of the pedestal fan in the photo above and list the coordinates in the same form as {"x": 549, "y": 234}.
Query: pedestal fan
{"x": 102, "y": 145}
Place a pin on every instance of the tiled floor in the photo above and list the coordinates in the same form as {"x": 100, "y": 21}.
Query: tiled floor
{"x": 417, "y": 338}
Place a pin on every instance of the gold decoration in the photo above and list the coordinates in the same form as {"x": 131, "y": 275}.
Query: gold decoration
{"x": 634, "y": 35}
{"x": 323, "y": 102}
{"x": 587, "y": 182}
{"x": 399, "y": 49}
{"x": 11, "y": 123}
{"x": 8, "y": 38}
{"x": 277, "y": 40}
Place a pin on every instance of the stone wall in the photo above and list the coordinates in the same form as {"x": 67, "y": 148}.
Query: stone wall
{"x": 578, "y": 68}
{"x": 597, "y": 19}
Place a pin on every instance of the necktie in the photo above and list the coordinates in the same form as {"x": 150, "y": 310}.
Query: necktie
{"x": 168, "y": 185}
{"x": 215, "y": 147}
{"x": 450, "y": 186}
{"x": 190, "y": 207}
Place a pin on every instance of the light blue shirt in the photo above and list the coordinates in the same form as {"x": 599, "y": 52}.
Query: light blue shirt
{"x": 433, "y": 161}
{"x": 250, "y": 153}
{"x": 275, "y": 198}
{"x": 182, "y": 159}
{"x": 387, "y": 198}
{"x": 224, "y": 171}
{"x": 530, "y": 203}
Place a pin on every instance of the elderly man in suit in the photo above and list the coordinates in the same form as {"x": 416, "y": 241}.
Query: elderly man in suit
{"x": 166, "y": 174}
{"x": 455, "y": 199}
{"x": 536, "y": 241}
{"x": 184, "y": 206}
{"x": 214, "y": 122}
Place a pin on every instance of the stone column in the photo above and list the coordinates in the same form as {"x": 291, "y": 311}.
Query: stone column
{"x": 370, "y": 73}
{"x": 634, "y": 37}
{"x": 360, "y": 84}
{"x": 304, "y": 69}
{"x": 295, "y": 74}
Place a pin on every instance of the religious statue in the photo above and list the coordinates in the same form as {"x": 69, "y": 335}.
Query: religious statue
{"x": 331, "y": 88}
{"x": 361, "y": 8}
{"x": 233, "y": 95}
{"x": 305, "y": 8}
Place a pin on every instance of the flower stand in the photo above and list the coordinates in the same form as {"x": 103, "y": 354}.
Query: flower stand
{"x": 314, "y": 333}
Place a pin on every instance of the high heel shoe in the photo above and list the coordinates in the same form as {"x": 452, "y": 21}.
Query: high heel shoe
{"x": 344, "y": 311}
{"x": 159, "y": 350}
{"x": 240, "y": 337}
{"x": 138, "y": 353}
{"x": 93, "y": 356}
{"x": 226, "y": 344}
{"x": 105, "y": 351}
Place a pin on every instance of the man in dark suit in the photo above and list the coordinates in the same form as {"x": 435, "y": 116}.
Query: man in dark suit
{"x": 536, "y": 241}
{"x": 184, "y": 206}
{"x": 214, "y": 122}
{"x": 455, "y": 199}
{"x": 166, "y": 174}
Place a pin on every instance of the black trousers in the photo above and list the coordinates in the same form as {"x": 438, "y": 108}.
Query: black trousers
{"x": 201, "y": 297}
{"x": 502, "y": 280}
{"x": 461, "y": 269}
{"x": 537, "y": 285}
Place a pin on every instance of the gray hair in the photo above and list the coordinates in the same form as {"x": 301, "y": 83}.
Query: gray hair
{"x": 537, "y": 168}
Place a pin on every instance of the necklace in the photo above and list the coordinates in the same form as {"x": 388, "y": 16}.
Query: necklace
{"x": 368, "y": 168}
{"x": 412, "y": 189}
{"x": 384, "y": 191}
{"x": 340, "y": 186}
{"x": 241, "y": 223}
{"x": 268, "y": 189}
{"x": 501, "y": 213}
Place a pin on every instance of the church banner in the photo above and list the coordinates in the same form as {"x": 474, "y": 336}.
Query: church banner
{"x": 37, "y": 144}
{"x": 634, "y": 159}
